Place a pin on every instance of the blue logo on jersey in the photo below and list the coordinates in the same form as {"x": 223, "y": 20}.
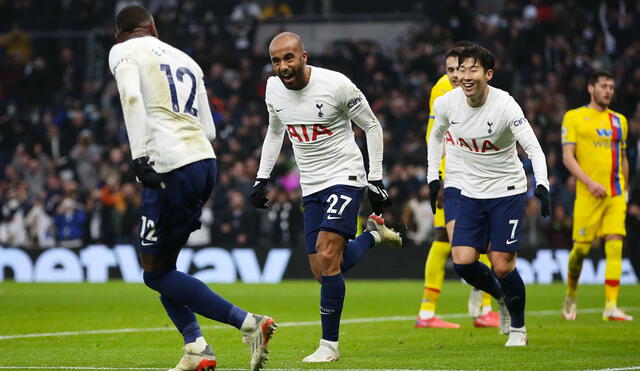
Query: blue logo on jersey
{"x": 604, "y": 133}
{"x": 519, "y": 121}
{"x": 354, "y": 102}
{"x": 490, "y": 124}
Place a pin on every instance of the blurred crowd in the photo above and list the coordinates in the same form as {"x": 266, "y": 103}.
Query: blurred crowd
{"x": 65, "y": 172}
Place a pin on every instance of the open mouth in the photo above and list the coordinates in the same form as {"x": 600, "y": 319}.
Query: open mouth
{"x": 468, "y": 86}
{"x": 288, "y": 78}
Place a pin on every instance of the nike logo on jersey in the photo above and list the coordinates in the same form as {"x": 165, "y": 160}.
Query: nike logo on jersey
{"x": 509, "y": 242}
{"x": 278, "y": 110}
{"x": 455, "y": 122}
{"x": 330, "y": 217}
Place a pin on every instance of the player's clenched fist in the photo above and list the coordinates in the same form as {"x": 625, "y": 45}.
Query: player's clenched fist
{"x": 258, "y": 195}
{"x": 145, "y": 173}
{"x": 543, "y": 194}
{"x": 378, "y": 196}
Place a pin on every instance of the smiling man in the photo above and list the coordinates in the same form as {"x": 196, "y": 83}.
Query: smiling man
{"x": 487, "y": 122}
{"x": 445, "y": 218}
{"x": 315, "y": 107}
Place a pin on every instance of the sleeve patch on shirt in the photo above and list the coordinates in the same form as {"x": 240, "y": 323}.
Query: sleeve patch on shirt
{"x": 354, "y": 102}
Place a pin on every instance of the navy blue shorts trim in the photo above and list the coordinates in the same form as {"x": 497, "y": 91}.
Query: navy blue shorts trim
{"x": 451, "y": 200}
{"x": 169, "y": 215}
{"x": 334, "y": 209}
{"x": 495, "y": 220}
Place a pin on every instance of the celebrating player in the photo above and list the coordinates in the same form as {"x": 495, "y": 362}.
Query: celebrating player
{"x": 486, "y": 123}
{"x": 594, "y": 150}
{"x": 479, "y": 302}
{"x": 315, "y": 106}
{"x": 168, "y": 120}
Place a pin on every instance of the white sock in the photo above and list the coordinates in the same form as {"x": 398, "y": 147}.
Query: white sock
{"x": 426, "y": 314}
{"x": 249, "y": 323}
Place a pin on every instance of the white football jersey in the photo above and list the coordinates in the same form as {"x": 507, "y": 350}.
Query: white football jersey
{"x": 317, "y": 119}
{"x": 170, "y": 81}
{"x": 486, "y": 140}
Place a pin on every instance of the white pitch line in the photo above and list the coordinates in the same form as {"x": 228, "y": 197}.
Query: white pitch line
{"x": 217, "y": 368}
{"x": 78, "y": 368}
{"x": 269, "y": 369}
{"x": 283, "y": 324}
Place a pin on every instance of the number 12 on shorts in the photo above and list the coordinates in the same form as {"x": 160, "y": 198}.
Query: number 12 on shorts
{"x": 333, "y": 200}
{"x": 147, "y": 230}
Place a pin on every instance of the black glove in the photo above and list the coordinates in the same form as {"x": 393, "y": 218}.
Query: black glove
{"x": 378, "y": 196}
{"x": 543, "y": 194}
{"x": 258, "y": 194}
{"x": 146, "y": 174}
{"x": 434, "y": 188}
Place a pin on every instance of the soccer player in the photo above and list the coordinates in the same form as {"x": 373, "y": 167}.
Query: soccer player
{"x": 169, "y": 125}
{"x": 594, "y": 151}
{"x": 479, "y": 302}
{"x": 486, "y": 123}
{"x": 315, "y": 106}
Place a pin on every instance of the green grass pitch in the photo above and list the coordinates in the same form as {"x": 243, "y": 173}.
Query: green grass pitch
{"x": 379, "y": 333}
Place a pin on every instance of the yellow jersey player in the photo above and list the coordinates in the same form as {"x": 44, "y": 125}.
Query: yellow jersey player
{"x": 479, "y": 302}
{"x": 594, "y": 151}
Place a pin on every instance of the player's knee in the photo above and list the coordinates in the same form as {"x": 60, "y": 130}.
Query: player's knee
{"x": 581, "y": 248}
{"x": 328, "y": 256}
{"x": 502, "y": 270}
{"x": 464, "y": 270}
{"x": 613, "y": 248}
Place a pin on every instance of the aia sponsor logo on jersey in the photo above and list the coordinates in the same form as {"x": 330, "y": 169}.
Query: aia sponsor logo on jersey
{"x": 473, "y": 145}
{"x": 477, "y": 145}
{"x": 305, "y": 134}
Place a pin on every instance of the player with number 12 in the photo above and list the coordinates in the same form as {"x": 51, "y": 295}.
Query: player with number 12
{"x": 169, "y": 124}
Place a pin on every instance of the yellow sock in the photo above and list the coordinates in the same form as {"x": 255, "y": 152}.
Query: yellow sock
{"x": 576, "y": 257}
{"x": 612, "y": 273}
{"x": 486, "y": 298}
{"x": 434, "y": 274}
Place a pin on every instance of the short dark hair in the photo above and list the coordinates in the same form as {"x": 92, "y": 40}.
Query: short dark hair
{"x": 457, "y": 49}
{"x": 132, "y": 17}
{"x": 597, "y": 74}
{"x": 480, "y": 55}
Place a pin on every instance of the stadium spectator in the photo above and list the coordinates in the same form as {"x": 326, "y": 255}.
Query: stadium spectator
{"x": 63, "y": 88}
